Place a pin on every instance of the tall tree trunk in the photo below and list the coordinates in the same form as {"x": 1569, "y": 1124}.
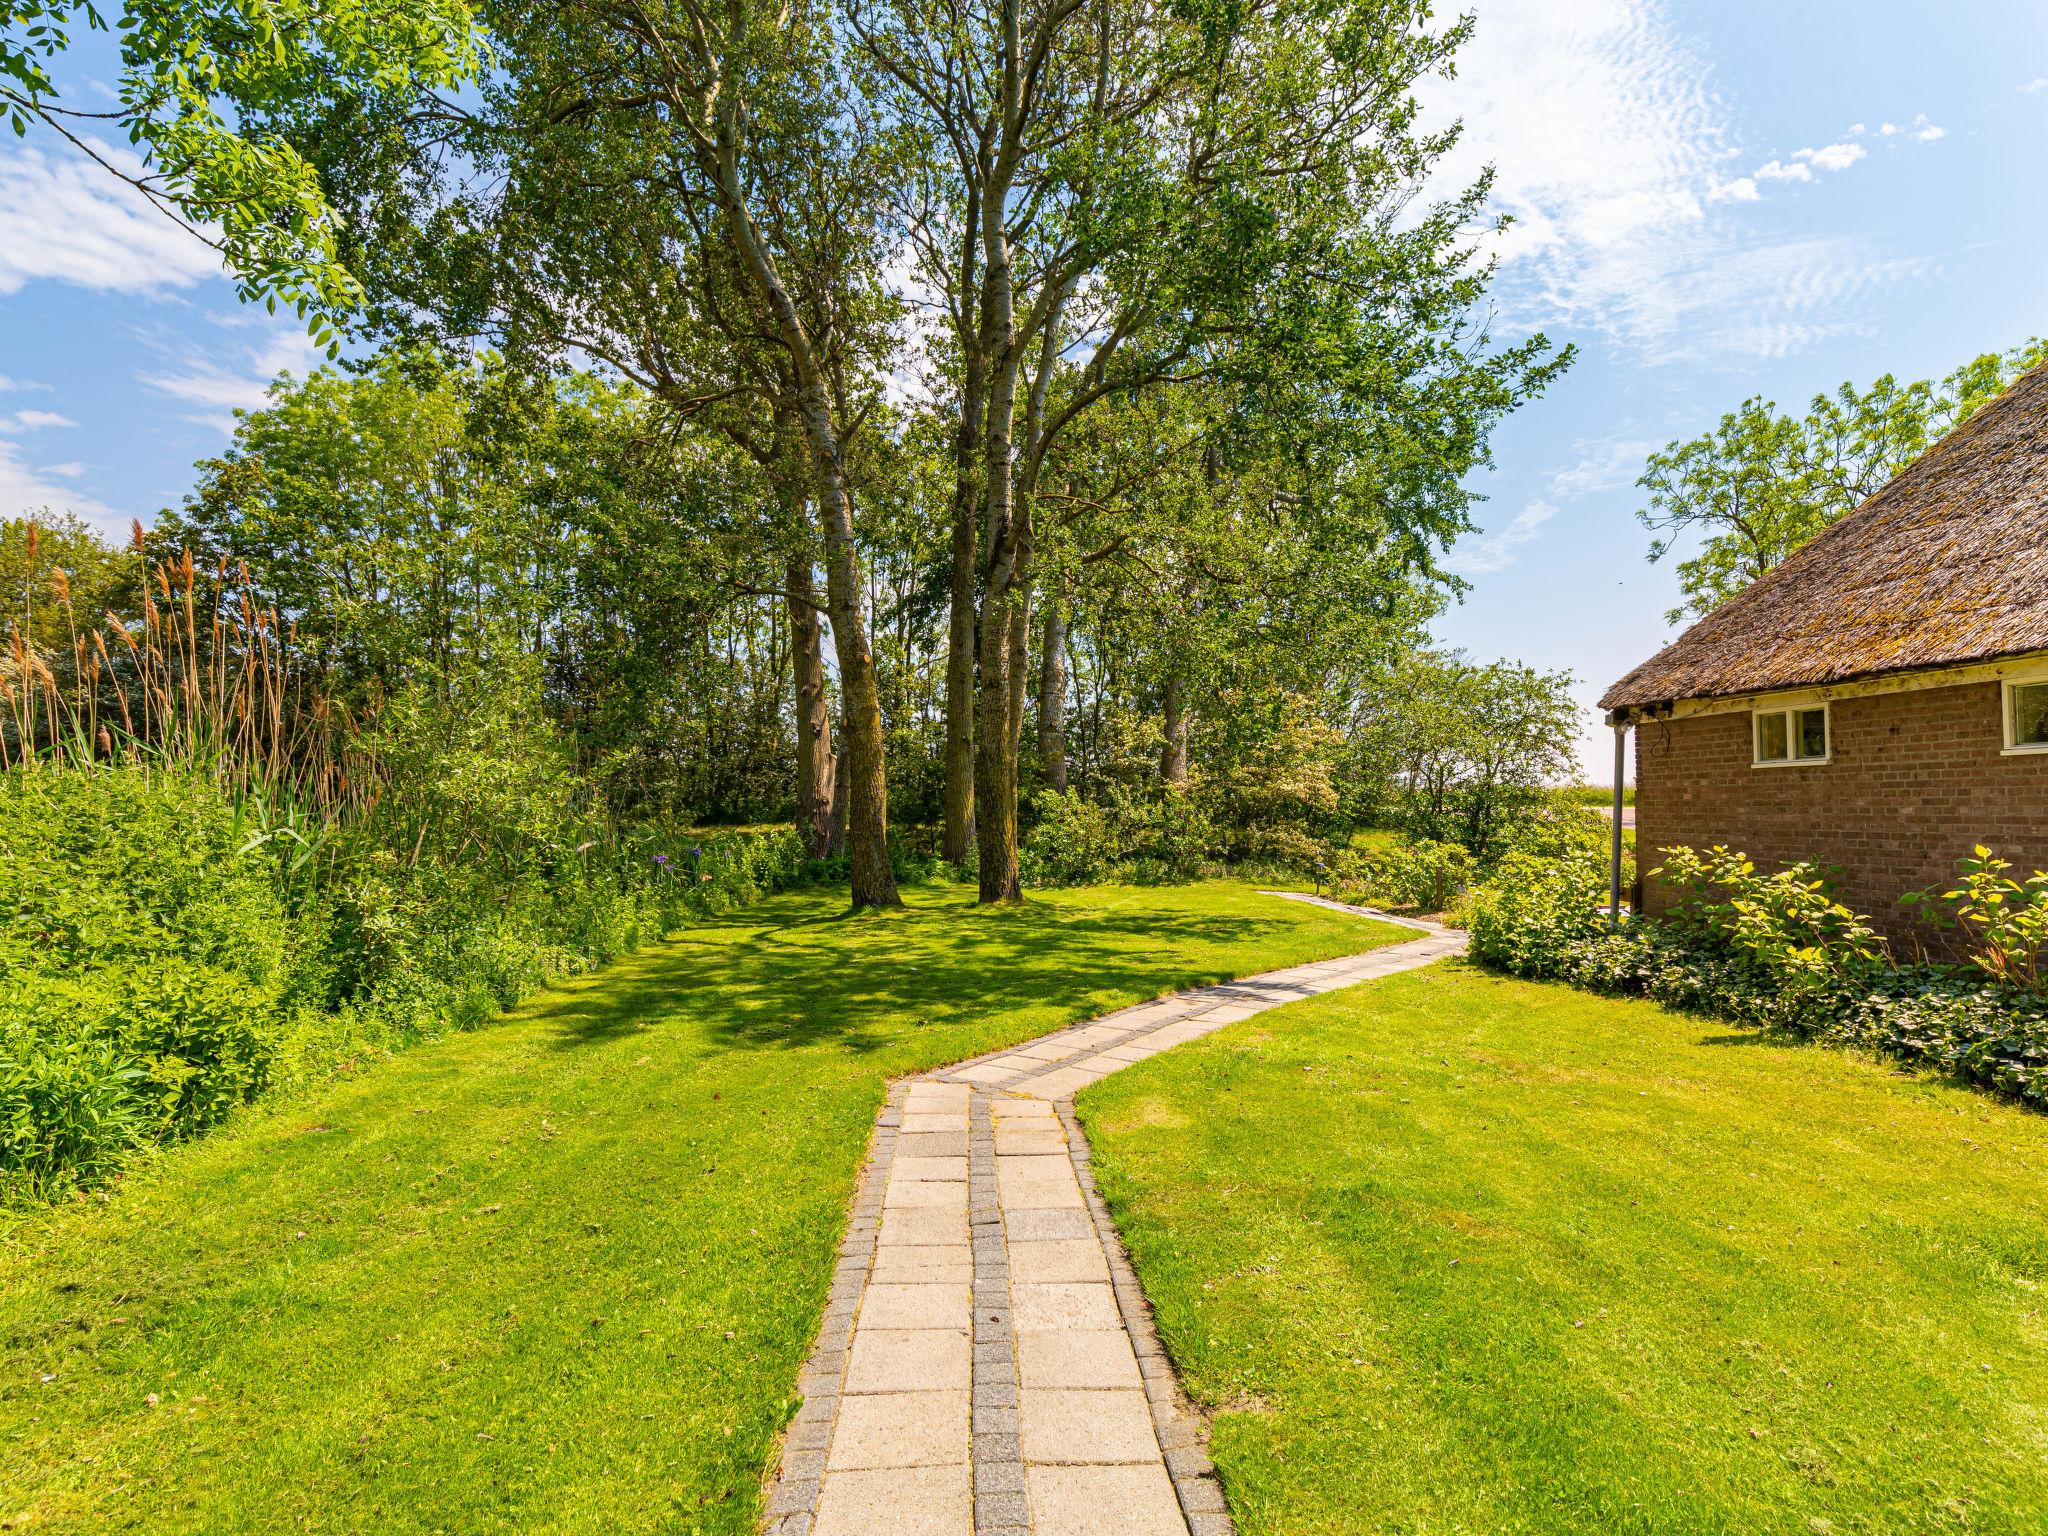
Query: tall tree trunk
{"x": 1173, "y": 756}
{"x": 872, "y": 882}
{"x": 1052, "y": 697}
{"x": 815, "y": 759}
{"x": 959, "y": 829}
{"x": 958, "y": 835}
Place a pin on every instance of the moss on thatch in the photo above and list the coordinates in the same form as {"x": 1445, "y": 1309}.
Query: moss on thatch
{"x": 1947, "y": 564}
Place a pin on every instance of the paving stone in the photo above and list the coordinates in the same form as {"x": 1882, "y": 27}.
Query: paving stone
{"x": 908, "y": 1360}
{"x": 917, "y": 1195}
{"x": 921, "y": 1228}
{"x": 1097, "y": 1358}
{"x": 1054, "y": 1048}
{"x": 901, "y": 1429}
{"x": 1071, "y": 1259}
{"x": 1043, "y": 1140}
{"x": 992, "y": 1478}
{"x": 922, "y": 1265}
{"x": 1069, "y": 1306}
{"x": 936, "y": 1122}
{"x": 1102, "y": 1501}
{"x": 989, "y": 1073}
{"x": 915, "y": 1306}
{"x": 1057, "y": 1425}
{"x": 1061, "y": 1084}
{"x": 1020, "y": 1109}
{"x": 1033, "y": 1225}
{"x": 905, "y": 1169}
{"x": 902, "y": 1501}
{"x": 1037, "y": 1183}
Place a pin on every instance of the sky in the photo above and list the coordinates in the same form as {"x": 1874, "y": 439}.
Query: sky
{"x": 1711, "y": 199}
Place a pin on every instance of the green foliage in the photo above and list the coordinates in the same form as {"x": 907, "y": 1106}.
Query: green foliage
{"x": 1131, "y": 835}
{"x": 1788, "y": 921}
{"x": 1534, "y": 909}
{"x": 161, "y": 964}
{"x": 1454, "y": 751}
{"x": 201, "y": 88}
{"x": 141, "y": 967}
{"x": 1762, "y": 483}
{"x": 1421, "y": 873}
{"x": 2006, "y": 919}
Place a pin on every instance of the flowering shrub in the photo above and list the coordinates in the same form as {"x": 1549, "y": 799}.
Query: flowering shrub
{"x": 1770, "y": 950}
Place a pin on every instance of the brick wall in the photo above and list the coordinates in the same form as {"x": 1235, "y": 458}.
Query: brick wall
{"x": 1917, "y": 778}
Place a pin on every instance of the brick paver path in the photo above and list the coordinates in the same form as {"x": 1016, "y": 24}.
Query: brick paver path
{"x": 987, "y": 1364}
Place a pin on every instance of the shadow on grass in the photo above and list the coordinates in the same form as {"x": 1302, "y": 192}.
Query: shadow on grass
{"x": 782, "y": 975}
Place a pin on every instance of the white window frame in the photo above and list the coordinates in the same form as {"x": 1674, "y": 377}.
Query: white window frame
{"x": 2031, "y": 678}
{"x": 1787, "y": 711}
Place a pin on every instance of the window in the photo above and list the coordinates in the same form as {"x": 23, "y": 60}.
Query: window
{"x": 1788, "y": 736}
{"x": 2026, "y": 716}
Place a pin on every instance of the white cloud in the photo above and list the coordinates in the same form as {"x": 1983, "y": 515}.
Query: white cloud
{"x": 1496, "y": 552}
{"x": 64, "y": 219}
{"x": 9, "y": 386}
{"x": 1927, "y": 132}
{"x": 34, "y": 421}
{"x": 1606, "y": 465}
{"x": 1614, "y": 154}
{"x": 70, "y": 469}
{"x": 1833, "y": 157}
{"x": 2036, "y": 84}
{"x": 242, "y": 384}
{"x": 24, "y": 490}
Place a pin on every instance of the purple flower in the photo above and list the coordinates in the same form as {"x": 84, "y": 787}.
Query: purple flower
{"x": 661, "y": 858}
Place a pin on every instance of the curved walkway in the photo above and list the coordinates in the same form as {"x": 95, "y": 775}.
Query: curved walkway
{"x": 987, "y": 1364}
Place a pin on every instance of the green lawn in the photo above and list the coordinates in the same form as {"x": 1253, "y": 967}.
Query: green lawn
{"x": 1459, "y": 1254}
{"x": 557, "y": 1275}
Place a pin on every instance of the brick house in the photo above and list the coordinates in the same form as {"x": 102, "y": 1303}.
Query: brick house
{"x": 1878, "y": 702}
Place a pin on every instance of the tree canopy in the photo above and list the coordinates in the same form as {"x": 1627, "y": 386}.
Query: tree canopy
{"x": 1763, "y": 481}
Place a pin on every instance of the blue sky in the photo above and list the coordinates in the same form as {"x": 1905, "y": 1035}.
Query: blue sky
{"x": 1712, "y": 200}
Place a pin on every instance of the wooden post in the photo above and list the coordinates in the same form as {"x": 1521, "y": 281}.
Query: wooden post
{"x": 1620, "y": 724}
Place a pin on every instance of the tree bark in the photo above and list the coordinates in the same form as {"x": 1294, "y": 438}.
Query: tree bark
{"x": 1173, "y": 756}
{"x": 816, "y": 763}
{"x": 1052, "y": 698}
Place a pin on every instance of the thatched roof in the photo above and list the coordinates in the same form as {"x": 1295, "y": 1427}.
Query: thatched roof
{"x": 1947, "y": 564}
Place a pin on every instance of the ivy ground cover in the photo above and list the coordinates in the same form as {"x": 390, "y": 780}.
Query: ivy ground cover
{"x": 1455, "y": 1253}
{"x": 557, "y": 1275}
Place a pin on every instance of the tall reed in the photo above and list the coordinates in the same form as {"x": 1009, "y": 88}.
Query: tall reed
{"x": 201, "y": 675}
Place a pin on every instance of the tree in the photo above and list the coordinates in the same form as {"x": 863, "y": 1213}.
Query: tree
{"x": 1110, "y": 198}
{"x": 200, "y": 84}
{"x": 1762, "y": 483}
{"x": 1466, "y": 748}
{"x": 686, "y": 196}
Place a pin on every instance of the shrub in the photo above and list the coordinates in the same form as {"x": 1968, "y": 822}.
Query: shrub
{"x": 1534, "y": 909}
{"x": 165, "y": 957}
{"x": 1073, "y": 843}
{"x": 2006, "y": 919}
{"x": 1774, "y": 950}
